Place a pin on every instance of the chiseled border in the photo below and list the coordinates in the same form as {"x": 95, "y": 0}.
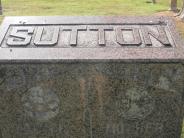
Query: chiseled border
{"x": 124, "y": 54}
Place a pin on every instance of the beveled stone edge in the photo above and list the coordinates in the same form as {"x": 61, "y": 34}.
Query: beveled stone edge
{"x": 175, "y": 54}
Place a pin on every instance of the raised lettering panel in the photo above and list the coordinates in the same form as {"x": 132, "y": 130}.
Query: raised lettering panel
{"x": 88, "y": 36}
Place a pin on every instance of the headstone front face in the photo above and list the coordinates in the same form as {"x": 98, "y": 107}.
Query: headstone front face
{"x": 97, "y": 77}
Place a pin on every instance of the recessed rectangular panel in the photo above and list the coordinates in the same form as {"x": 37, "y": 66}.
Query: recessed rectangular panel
{"x": 85, "y": 36}
{"x": 89, "y": 38}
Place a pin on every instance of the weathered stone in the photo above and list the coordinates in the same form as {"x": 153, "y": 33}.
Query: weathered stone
{"x": 101, "y": 77}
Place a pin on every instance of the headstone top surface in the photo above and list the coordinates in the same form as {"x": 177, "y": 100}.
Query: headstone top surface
{"x": 96, "y": 39}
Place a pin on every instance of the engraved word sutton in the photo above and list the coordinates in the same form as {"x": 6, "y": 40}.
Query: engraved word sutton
{"x": 88, "y": 36}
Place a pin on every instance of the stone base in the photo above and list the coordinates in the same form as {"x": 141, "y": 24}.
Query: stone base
{"x": 100, "y": 100}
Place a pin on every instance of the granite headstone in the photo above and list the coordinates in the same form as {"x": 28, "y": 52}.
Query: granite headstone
{"x": 91, "y": 77}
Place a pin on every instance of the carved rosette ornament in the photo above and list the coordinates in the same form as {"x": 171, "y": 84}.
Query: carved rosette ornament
{"x": 40, "y": 104}
{"x": 139, "y": 104}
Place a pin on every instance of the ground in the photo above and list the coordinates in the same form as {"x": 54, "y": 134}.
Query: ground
{"x": 89, "y": 7}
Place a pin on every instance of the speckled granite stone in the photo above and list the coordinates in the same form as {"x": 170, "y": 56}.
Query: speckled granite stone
{"x": 91, "y": 77}
{"x": 100, "y": 100}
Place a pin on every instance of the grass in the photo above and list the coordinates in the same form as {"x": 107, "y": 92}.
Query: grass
{"x": 86, "y": 7}
{"x": 82, "y": 7}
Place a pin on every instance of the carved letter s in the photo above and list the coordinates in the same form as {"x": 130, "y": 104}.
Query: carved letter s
{"x": 17, "y": 32}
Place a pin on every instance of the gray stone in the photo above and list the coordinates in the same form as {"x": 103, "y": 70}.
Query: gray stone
{"x": 97, "y": 77}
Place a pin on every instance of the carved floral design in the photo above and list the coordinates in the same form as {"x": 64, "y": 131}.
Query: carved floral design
{"x": 41, "y": 104}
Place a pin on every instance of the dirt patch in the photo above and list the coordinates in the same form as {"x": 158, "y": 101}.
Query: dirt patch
{"x": 179, "y": 23}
